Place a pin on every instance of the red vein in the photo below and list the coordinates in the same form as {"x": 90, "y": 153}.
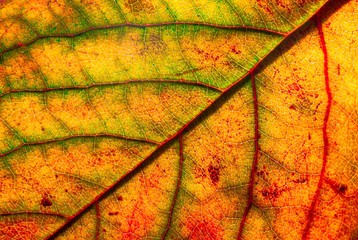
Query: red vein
{"x": 324, "y": 128}
{"x": 167, "y": 141}
{"x": 98, "y": 220}
{"x": 34, "y": 213}
{"x": 131, "y": 171}
{"x": 256, "y": 154}
{"x": 77, "y": 136}
{"x": 180, "y": 172}
{"x": 183, "y": 81}
{"x": 71, "y": 35}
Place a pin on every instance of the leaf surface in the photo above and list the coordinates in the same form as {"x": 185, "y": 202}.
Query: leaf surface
{"x": 148, "y": 119}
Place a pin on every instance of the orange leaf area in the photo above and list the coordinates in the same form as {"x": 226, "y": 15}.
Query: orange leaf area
{"x": 200, "y": 120}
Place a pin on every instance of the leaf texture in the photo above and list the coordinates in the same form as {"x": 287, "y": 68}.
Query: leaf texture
{"x": 178, "y": 120}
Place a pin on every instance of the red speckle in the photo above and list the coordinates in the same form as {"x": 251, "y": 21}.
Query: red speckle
{"x": 19, "y": 229}
{"x": 234, "y": 50}
{"x": 208, "y": 55}
{"x": 263, "y": 173}
{"x": 294, "y": 87}
{"x": 302, "y": 2}
{"x": 273, "y": 192}
{"x": 283, "y": 5}
{"x": 200, "y": 173}
{"x": 20, "y": 44}
{"x": 120, "y": 198}
{"x": 203, "y": 229}
{"x": 264, "y": 6}
{"x": 138, "y": 222}
{"x": 214, "y": 173}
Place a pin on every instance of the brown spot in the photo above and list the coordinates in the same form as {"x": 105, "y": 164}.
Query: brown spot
{"x": 112, "y": 213}
{"x": 342, "y": 188}
{"x": 214, "y": 173}
{"x": 339, "y": 69}
{"x": 45, "y": 201}
{"x": 300, "y": 180}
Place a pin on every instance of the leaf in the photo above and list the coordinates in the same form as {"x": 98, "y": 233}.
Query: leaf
{"x": 178, "y": 120}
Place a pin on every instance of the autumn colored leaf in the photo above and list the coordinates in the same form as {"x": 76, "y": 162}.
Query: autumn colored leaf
{"x": 154, "y": 119}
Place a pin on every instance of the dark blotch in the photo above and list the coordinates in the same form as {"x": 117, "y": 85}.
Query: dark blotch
{"x": 112, "y": 213}
{"x": 45, "y": 201}
{"x": 214, "y": 173}
{"x": 342, "y": 188}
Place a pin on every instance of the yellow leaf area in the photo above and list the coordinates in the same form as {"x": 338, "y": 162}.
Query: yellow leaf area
{"x": 217, "y": 57}
{"x": 22, "y": 21}
{"x": 195, "y": 120}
